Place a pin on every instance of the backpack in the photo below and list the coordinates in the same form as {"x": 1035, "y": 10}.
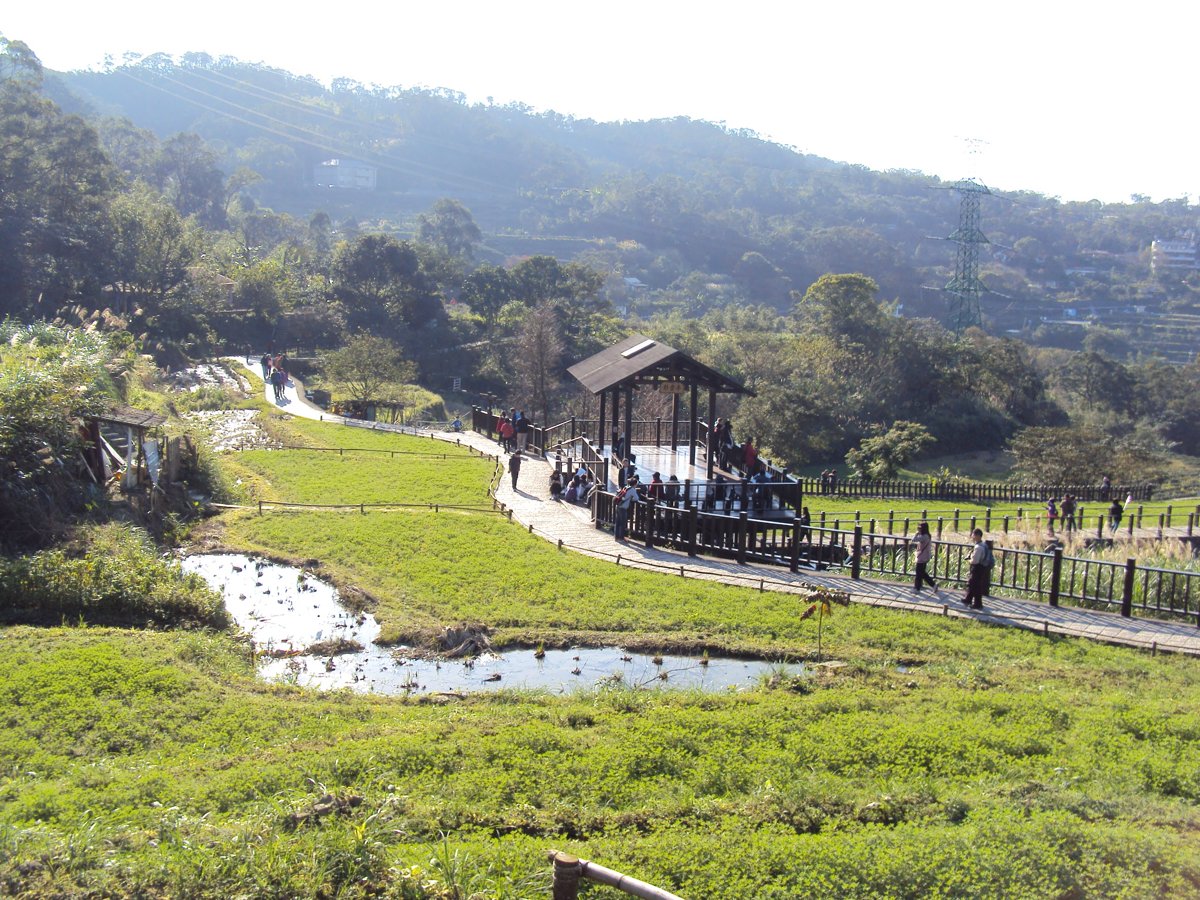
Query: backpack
{"x": 989, "y": 558}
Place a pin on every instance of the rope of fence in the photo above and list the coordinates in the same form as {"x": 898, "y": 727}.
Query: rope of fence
{"x": 343, "y": 450}
{"x": 269, "y": 505}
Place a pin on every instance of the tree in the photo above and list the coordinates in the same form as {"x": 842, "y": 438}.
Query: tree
{"x": 1062, "y": 455}
{"x": 538, "y": 360}
{"x": 843, "y": 307}
{"x": 187, "y": 173}
{"x": 882, "y": 454}
{"x": 55, "y": 187}
{"x": 379, "y": 279}
{"x": 486, "y": 291}
{"x": 450, "y": 227}
{"x": 152, "y": 248}
{"x": 366, "y": 364}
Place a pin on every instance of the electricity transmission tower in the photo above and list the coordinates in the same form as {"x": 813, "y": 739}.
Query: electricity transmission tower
{"x": 965, "y": 287}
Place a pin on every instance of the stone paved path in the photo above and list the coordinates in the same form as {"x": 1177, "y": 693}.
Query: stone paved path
{"x": 556, "y": 521}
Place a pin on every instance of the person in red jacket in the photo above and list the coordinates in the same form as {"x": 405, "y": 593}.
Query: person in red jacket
{"x": 749, "y": 457}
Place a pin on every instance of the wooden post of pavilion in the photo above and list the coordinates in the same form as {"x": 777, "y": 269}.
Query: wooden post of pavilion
{"x": 692, "y": 431}
{"x": 712, "y": 418}
{"x": 628, "y": 418}
{"x": 600, "y": 435}
{"x": 674, "y": 423}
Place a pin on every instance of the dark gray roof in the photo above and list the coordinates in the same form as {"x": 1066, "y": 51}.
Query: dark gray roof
{"x": 136, "y": 418}
{"x": 642, "y": 360}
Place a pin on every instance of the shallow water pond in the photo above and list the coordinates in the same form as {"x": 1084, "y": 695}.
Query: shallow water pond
{"x": 286, "y": 611}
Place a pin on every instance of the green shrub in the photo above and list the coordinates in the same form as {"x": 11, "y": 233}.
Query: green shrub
{"x": 109, "y": 574}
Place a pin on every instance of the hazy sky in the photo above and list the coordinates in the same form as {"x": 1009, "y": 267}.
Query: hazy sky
{"x": 1079, "y": 100}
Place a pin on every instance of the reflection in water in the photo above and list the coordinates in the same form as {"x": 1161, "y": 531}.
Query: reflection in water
{"x": 286, "y": 611}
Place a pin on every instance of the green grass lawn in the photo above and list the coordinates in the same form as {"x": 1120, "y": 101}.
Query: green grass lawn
{"x": 946, "y": 759}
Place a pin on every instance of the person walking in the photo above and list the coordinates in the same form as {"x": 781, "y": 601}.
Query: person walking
{"x": 265, "y": 362}
{"x": 1051, "y": 515}
{"x": 521, "y": 426}
{"x": 981, "y": 566}
{"x": 924, "y": 543}
{"x": 514, "y": 468}
{"x": 1115, "y": 511}
{"x": 1068, "y": 512}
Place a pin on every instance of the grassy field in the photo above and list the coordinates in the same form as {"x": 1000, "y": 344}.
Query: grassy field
{"x": 945, "y": 759}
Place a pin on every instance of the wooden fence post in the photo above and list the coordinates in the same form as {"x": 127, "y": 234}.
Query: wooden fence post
{"x": 693, "y": 522}
{"x": 856, "y": 554}
{"x": 1127, "y": 593}
{"x": 649, "y": 523}
{"x": 743, "y": 520}
{"x": 795, "y": 562}
{"x": 1055, "y": 575}
{"x": 567, "y": 871}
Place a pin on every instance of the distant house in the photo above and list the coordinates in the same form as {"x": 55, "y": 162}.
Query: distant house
{"x": 346, "y": 174}
{"x": 1179, "y": 255}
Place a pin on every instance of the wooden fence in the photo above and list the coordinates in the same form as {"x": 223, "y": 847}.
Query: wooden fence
{"x": 953, "y": 489}
{"x": 660, "y": 433}
{"x": 1049, "y": 576}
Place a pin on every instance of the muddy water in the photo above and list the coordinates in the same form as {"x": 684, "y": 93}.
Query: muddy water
{"x": 286, "y": 610}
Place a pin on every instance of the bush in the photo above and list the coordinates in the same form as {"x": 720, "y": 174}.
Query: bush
{"x": 109, "y": 575}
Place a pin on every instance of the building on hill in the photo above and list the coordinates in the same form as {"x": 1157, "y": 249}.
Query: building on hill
{"x": 347, "y": 174}
{"x": 1173, "y": 256}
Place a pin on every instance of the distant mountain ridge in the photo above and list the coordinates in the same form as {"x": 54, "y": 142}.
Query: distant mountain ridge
{"x": 671, "y": 203}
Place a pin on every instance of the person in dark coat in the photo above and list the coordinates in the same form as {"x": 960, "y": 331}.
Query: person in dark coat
{"x": 514, "y": 468}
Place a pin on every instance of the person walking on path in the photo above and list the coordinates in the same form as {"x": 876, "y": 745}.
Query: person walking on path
{"x": 265, "y": 362}
{"x": 1115, "y": 511}
{"x": 514, "y": 468}
{"x": 981, "y": 565}
{"x": 924, "y": 541}
{"x": 1051, "y": 515}
{"x": 1068, "y": 512}
{"x": 521, "y": 425}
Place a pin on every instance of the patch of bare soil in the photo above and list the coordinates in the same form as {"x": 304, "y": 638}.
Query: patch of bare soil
{"x": 230, "y": 429}
{"x": 209, "y": 375}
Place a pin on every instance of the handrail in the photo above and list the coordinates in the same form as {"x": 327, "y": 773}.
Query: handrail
{"x": 1042, "y": 575}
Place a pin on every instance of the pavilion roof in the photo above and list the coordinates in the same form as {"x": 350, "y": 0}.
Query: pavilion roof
{"x": 643, "y": 361}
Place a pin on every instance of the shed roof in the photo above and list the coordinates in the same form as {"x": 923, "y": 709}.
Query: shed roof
{"x": 134, "y": 418}
{"x": 642, "y": 360}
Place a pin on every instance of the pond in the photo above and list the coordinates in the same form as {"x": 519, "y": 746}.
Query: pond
{"x": 287, "y": 611}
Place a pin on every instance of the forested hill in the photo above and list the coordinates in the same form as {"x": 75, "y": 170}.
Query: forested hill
{"x": 700, "y": 215}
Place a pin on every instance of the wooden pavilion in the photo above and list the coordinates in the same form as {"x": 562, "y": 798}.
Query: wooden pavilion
{"x": 639, "y": 362}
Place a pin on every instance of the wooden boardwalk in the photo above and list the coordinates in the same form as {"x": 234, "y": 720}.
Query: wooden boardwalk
{"x": 571, "y": 525}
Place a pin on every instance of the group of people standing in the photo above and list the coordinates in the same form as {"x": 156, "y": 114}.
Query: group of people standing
{"x": 513, "y": 428}
{"x": 274, "y": 371}
{"x": 729, "y": 454}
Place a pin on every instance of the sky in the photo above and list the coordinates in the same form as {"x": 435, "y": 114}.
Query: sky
{"x": 1077, "y": 100}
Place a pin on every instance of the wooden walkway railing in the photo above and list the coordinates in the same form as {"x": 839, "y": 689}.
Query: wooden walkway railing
{"x": 1048, "y": 576}
{"x": 658, "y": 433}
